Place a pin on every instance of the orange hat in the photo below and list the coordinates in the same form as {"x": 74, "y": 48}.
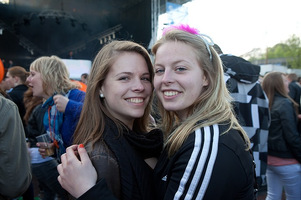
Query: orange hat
{"x": 1, "y": 71}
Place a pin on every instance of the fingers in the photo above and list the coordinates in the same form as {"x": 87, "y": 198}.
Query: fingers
{"x": 84, "y": 157}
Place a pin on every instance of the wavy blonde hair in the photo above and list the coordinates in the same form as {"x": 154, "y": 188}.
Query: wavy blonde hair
{"x": 91, "y": 124}
{"x": 213, "y": 106}
{"x": 54, "y": 74}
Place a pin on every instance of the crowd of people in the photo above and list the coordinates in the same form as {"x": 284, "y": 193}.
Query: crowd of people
{"x": 194, "y": 123}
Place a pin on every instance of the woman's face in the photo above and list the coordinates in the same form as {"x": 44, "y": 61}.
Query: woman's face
{"x": 179, "y": 78}
{"x": 10, "y": 80}
{"x": 127, "y": 88}
{"x": 35, "y": 82}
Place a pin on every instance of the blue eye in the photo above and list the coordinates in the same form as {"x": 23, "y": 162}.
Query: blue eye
{"x": 181, "y": 69}
{"x": 159, "y": 71}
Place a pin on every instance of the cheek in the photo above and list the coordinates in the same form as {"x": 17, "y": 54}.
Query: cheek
{"x": 156, "y": 83}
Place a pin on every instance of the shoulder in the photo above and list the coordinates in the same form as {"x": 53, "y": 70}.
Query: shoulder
{"x": 212, "y": 140}
{"x": 76, "y": 93}
{"x": 281, "y": 100}
{"x": 6, "y": 105}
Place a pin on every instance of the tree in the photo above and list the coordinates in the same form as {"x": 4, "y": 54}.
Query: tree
{"x": 290, "y": 50}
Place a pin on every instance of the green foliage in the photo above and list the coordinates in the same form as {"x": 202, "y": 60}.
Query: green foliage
{"x": 290, "y": 50}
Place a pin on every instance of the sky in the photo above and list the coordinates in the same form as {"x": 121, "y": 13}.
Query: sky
{"x": 239, "y": 26}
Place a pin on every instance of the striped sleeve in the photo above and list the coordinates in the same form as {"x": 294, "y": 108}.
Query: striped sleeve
{"x": 197, "y": 174}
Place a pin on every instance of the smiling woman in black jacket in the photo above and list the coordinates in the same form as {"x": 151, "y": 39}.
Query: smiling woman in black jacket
{"x": 284, "y": 140}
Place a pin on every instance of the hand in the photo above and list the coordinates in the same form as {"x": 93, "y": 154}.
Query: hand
{"x": 46, "y": 149}
{"x": 61, "y": 102}
{"x": 77, "y": 174}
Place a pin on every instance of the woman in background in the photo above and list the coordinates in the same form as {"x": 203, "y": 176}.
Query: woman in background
{"x": 44, "y": 169}
{"x": 16, "y": 80}
{"x": 284, "y": 140}
{"x": 49, "y": 79}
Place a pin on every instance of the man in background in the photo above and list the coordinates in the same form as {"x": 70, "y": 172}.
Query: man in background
{"x": 251, "y": 106}
{"x": 15, "y": 171}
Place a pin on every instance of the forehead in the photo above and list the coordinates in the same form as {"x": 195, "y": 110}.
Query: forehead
{"x": 129, "y": 61}
{"x": 178, "y": 48}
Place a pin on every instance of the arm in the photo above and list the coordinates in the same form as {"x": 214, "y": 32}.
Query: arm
{"x": 71, "y": 115}
{"x": 15, "y": 172}
{"x": 289, "y": 127}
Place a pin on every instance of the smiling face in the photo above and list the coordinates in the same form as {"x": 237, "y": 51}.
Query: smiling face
{"x": 127, "y": 88}
{"x": 179, "y": 78}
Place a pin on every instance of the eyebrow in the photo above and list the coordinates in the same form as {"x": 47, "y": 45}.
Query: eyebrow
{"x": 130, "y": 73}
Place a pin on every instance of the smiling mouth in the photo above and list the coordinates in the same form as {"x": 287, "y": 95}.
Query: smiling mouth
{"x": 135, "y": 100}
{"x": 170, "y": 93}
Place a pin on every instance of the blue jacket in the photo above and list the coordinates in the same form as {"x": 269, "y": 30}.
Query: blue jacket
{"x": 65, "y": 123}
{"x": 71, "y": 115}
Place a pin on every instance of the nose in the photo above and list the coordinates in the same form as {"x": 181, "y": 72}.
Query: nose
{"x": 167, "y": 77}
{"x": 138, "y": 85}
{"x": 28, "y": 78}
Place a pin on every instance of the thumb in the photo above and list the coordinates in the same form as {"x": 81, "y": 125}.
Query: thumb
{"x": 84, "y": 157}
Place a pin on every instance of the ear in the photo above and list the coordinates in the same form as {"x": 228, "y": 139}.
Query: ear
{"x": 16, "y": 79}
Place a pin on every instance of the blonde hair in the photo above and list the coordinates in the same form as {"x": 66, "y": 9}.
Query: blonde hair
{"x": 213, "y": 106}
{"x": 54, "y": 74}
{"x": 19, "y": 72}
{"x": 91, "y": 124}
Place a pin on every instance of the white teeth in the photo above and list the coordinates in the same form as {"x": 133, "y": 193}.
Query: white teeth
{"x": 135, "y": 100}
{"x": 170, "y": 93}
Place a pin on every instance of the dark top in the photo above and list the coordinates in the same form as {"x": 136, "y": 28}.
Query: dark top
{"x": 207, "y": 166}
{"x": 120, "y": 166}
{"x": 16, "y": 96}
{"x": 35, "y": 126}
{"x": 284, "y": 140}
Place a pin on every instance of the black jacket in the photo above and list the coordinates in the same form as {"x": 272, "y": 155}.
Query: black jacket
{"x": 16, "y": 95}
{"x": 209, "y": 165}
{"x": 284, "y": 140}
{"x": 121, "y": 170}
{"x": 35, "y": 126}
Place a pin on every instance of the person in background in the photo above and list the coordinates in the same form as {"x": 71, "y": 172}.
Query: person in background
{"x": 44, "y": 169}
{"x": 15, "y": 172}
{"x": 49, "y": 78}
{"x": 84, "y": 78}
{"x": 16, "y": 78}
{"x": 251, "y": 106}
{"x": 114, "y": 127}
{"x": 294, "y": 88}
{"x": 284, "y": 141}
{"x": 201, "y": 132}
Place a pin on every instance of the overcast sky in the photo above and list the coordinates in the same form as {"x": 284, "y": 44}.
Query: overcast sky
{"x": 238, "y": 26}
